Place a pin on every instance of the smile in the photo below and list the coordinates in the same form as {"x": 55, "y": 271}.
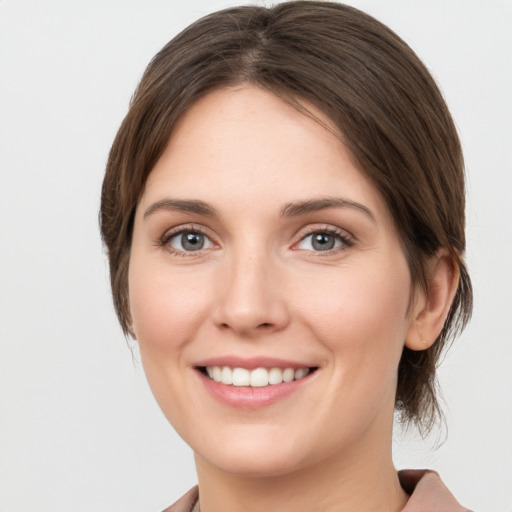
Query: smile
{"x": 256, "y": 378}
{"x": 254, "y": 382}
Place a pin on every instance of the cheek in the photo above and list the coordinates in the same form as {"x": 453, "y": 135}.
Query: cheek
{"x": 361, "y": 319}
{"x": 166, "y": 308}
{"x": 361, "y": 314}
{"x": 167, "y": 311}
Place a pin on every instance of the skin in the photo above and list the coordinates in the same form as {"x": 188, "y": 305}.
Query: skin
{"x": 260, "y": 288}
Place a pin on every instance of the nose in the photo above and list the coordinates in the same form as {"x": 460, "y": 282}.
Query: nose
{"x": 251, "y": 297}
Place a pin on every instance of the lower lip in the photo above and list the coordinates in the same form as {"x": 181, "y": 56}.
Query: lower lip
{"x": 246, "y": 397}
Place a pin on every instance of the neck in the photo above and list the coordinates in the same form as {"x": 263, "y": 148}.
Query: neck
{"x": 342, "y": 482}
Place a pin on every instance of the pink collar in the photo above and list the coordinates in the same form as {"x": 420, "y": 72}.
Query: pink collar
{"x": 428, "y": 492}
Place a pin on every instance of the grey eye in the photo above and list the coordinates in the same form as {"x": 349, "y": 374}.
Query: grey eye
{"x": 189, "y": 241}
{"x": 321, "y": 241}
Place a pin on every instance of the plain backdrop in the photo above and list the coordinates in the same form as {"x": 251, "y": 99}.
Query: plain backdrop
{"x": 79, "y": 429}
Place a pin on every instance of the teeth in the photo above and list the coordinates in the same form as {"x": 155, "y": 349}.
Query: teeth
{"x": 259, "y": 377}
{"x": 275, "y": 376}
{"x": 241, "y": 377}
{"x": 288, "y": 374}
{"x": 301, "y": 372}
{"x": 226, "y": 375}
{"x": 217, "y": 374}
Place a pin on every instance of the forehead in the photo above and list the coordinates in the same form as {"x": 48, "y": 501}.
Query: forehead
{"x": 237, "y": 144}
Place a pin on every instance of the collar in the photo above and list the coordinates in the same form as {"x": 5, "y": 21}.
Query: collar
{"x": 428, "y": 492}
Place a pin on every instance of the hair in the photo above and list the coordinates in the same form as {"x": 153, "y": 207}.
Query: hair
{"x": 379, "y": 95}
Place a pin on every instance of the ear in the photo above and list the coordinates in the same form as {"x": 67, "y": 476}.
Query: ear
{"x": 431, "y": 308}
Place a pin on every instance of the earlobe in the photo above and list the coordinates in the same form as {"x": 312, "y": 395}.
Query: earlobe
{"x": 432, "y": 308}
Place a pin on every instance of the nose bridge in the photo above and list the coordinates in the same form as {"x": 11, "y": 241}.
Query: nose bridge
{"x": 249, "y": 297}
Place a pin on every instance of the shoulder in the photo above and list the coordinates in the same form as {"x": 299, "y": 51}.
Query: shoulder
{"x": 186, "y": 502}
{"x": 427, "y": 492}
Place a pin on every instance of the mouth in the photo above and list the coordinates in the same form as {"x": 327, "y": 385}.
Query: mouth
{"x": 254, "y": 378}
{"x": 255, "y": 382}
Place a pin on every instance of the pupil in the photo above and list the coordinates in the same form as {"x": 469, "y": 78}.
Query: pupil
{"x": 192, "y": 241}
{"x": 323, "y": 242}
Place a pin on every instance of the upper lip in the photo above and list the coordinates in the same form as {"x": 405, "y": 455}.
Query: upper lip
{"x": 251, "y": 363}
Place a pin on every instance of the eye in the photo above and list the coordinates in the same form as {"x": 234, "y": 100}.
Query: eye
{"x": 322, "y": 241}
{"x": 188, "y": 241}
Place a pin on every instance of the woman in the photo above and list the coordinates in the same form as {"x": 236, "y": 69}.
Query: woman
{"x": 283, "y": 209}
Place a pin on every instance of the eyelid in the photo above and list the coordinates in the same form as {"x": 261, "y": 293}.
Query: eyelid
{"x": 346, "y": 238}
{"x": 169, "y": 234}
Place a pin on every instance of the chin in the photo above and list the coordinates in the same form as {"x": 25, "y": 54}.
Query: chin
{"x": 255, "y": 455}
{"x": 260, "y": 465}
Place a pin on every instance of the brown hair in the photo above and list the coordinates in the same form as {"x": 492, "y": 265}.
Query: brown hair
{"x": 388, "y": 110}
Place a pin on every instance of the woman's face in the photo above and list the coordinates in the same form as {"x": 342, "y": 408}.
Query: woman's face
{"x": 261, "y": 252}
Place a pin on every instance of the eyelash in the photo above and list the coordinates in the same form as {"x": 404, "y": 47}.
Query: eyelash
{"x": 169, "y": 235}
{"x": 345, "y": 239}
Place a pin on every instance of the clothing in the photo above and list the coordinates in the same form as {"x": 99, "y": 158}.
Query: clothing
{"x": 427, "y": 491}
{"x": 187, "y": 503}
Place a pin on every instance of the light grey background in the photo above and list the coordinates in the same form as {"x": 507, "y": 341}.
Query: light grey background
{"x": 79, "y": 430}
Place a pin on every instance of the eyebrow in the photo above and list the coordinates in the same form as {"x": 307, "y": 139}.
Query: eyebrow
{"x": 181, "y": 205}
{"x": 292, "y": 209}
{"x": 303, "y": 207}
